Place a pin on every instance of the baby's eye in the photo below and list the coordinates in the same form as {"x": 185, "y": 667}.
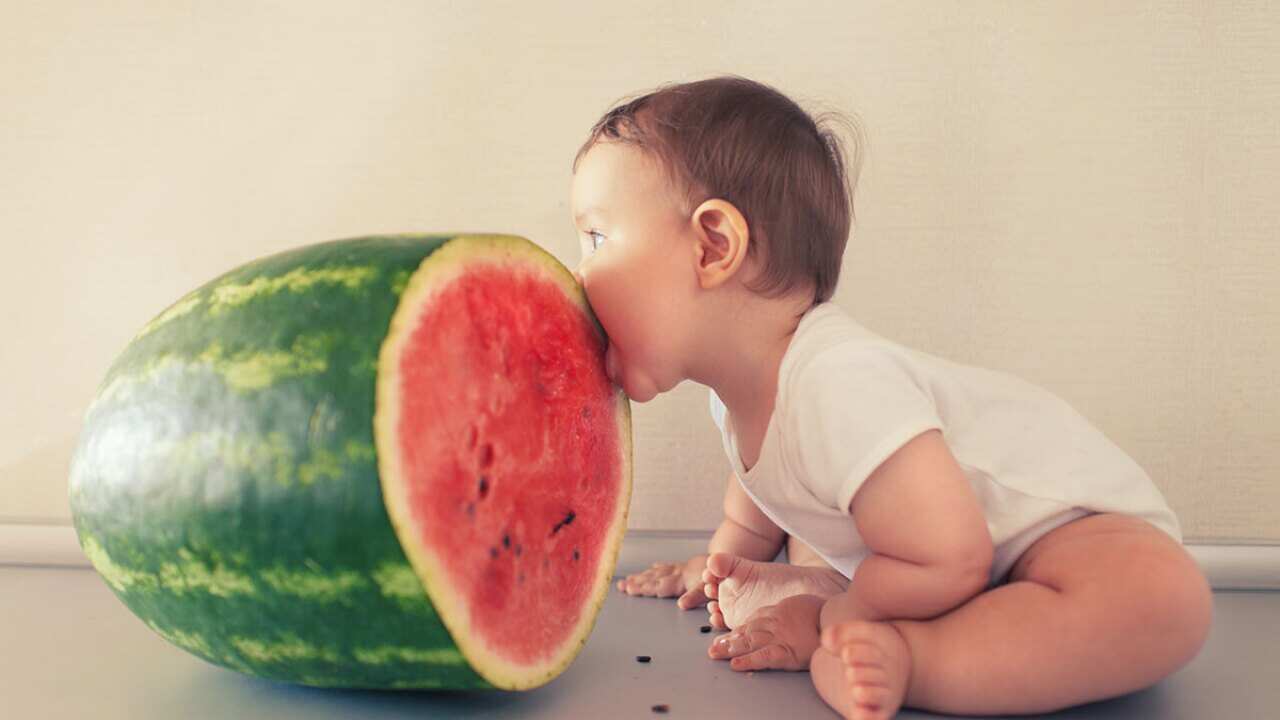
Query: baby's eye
{"x": 596, "y": 239}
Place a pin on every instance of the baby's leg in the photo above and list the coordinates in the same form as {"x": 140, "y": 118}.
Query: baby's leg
{"x": 1099, "y": 607}
{"x": 738, "y": 587}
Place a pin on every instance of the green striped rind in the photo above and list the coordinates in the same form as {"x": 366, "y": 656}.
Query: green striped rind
{"x": 226, "y": 484}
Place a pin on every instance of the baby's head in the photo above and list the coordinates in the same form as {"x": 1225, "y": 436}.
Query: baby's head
{"x": 695, "y": 198}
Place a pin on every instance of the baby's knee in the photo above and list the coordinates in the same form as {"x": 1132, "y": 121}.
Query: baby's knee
{"x": 1186, "y": 605}
{"x": 1174, "y": 602}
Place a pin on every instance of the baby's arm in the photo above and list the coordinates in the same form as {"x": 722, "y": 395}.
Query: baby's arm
{"x": 931, "y": 550}
{"x": 744, "y": 531}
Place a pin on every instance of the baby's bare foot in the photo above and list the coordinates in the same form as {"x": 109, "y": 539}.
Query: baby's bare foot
{"x": 738, "y": 586}
{"x": 876, "y": 665}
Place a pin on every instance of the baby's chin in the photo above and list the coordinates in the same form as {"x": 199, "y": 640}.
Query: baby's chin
{"x": 639, "y": 382}
{"x": 639, "y": 385}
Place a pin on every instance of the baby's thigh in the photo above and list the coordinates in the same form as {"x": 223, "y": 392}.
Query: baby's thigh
{"x": 1124, "y": 577}
{"x": 1083, "y": 551}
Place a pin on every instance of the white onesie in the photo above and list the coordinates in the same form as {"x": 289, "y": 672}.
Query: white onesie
{"x": 848, "y": 399}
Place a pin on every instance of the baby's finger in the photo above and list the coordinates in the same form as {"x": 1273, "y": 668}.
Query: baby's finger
{"x": 669, "y": 586}
{"x": 692, "y": 599}
{"x": 657, "y": 584}
{"x": 711, "y": 591}
{"x": 635, "y": 585}
{"x": 648, "y": 586}
{"x": 739, "y": 642}
{"x": 769, "y": 657}
{"x": 651, "y": 587}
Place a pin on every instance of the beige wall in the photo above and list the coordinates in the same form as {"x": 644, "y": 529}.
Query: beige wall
{"x": 1074, "y": 192}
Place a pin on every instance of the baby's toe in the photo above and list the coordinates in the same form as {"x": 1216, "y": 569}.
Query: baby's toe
{"x": 861, "y": 653}
{"x": 715, "y": 616}
{"x": 868, "y": 700}
{"x": 719, "y": 564}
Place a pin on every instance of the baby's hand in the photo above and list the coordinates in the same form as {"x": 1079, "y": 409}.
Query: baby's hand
{"x": 782, "y": 637}
{"x": 670, "y": 580}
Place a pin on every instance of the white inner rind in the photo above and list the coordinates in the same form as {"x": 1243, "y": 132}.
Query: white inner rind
{"x": 437, "y": 272}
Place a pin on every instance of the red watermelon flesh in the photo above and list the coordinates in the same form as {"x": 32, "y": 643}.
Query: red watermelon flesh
{"x": 507, "y": 433}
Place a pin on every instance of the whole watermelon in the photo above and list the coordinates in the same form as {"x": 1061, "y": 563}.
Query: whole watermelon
{"x": 381, "y": 462}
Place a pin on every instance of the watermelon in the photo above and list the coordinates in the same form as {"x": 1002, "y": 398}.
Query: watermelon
{"x": 379, "y": 462}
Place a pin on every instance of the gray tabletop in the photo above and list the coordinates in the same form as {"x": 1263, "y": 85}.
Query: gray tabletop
{"x": 72, "y": 650}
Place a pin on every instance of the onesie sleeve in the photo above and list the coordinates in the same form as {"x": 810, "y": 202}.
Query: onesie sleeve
{"x": 849, "y": 412}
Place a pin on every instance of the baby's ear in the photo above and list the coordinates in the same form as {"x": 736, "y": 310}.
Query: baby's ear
{"x": 721, "y": 238}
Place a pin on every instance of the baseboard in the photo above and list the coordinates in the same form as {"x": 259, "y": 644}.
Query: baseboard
{"x": 52, "y": 545}
{"x": 1228, "y": 567}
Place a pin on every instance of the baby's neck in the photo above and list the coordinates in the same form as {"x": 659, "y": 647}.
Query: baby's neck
{"x": 740, "y": 353}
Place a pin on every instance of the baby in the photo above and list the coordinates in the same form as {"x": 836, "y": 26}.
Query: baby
{"x": 961, "y": 541}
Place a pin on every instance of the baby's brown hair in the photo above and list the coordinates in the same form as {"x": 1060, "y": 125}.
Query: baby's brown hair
{"x": 744, "y": 142}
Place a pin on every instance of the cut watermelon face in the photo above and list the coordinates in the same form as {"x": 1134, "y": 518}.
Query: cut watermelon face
{"x": 499, "y": 435}
{"x": 382, "y": 462}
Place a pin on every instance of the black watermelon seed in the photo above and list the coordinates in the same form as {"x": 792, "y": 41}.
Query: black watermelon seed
{"x": 484, "y": 487}
{"x": 643, "y": 658}
{"x": 506, "y": 541}
{"x": 567, "y": 519}
{"x": 661, "y": 709}
{"x": 704, "y": 629}
{"x": 575, "y": 554}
